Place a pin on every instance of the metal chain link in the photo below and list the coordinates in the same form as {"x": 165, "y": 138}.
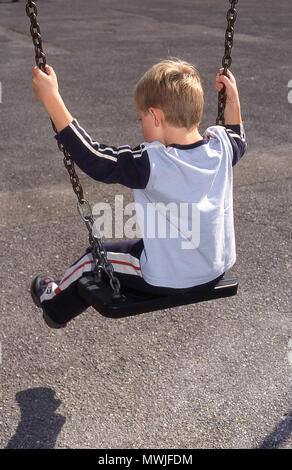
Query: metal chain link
{"x": 98, "y": 251}
{"x": 227, "y": 60}
{"x": 40, "y": 58}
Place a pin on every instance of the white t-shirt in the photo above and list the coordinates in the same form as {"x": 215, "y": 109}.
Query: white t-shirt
{"x": 185, "y": 213}
{"x": 183, "y": 196}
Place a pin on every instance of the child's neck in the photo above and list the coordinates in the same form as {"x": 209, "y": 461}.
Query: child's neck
{"x": 181, "y": 136}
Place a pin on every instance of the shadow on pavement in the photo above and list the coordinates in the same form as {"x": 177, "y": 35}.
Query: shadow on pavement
{"x": 39, "y": 425}
{"x": 278, "y": 435}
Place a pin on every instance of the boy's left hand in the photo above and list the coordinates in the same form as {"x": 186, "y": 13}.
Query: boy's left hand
{"x": 45, "y": 85}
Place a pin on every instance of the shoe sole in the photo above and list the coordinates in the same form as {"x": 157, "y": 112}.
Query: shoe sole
{"x": 46, "y": 317}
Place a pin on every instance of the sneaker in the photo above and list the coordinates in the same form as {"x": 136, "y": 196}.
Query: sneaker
{"x": 38, "y": 287}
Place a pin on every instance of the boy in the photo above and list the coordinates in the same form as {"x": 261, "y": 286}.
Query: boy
{"x": 176, "y": 165}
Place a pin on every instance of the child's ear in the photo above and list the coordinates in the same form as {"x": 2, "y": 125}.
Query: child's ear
{"x": 152, "y": 112}
{"x": 155, "y": 115}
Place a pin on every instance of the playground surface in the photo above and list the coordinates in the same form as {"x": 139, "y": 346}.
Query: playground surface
{"x": 213, "y": 375}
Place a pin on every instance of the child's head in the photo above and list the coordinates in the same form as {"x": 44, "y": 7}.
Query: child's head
{"x": 173, "y": 86}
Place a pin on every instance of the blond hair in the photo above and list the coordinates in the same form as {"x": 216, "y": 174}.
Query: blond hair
{"x": 175, "y": 87}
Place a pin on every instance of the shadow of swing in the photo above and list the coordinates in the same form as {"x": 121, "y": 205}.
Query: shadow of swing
{"x": 39, "y": 425}
{"x": 278, "y": 435}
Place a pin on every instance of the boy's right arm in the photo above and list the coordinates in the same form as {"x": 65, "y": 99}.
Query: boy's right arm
{"x": 232, "y": 114}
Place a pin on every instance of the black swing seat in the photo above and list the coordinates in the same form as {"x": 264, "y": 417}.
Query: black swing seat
{"x": 100, "y": 297}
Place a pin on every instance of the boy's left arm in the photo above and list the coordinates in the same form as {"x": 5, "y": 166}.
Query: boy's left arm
{"x": 129, "y": 167}
{"x": 46, "y": 89}
{"x": 106, "y": 163}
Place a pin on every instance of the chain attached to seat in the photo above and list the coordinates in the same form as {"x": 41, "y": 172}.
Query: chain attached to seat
{"x": 98, "y": 251}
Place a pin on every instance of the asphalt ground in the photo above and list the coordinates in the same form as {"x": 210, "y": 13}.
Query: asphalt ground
{"x": 213, "y": 375}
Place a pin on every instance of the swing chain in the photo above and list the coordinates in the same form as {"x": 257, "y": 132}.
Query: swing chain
{"x": 31, "y": 11}
{"x": 104, "y": 265}
{"x": 227, "y": 60}
{"x": 40, "y": 58}
{"x": 98, "y": 251}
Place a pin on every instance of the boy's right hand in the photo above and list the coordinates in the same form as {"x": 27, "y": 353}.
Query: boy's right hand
{"x": 232, "y": 95}
{"x": 232, "y": 113}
